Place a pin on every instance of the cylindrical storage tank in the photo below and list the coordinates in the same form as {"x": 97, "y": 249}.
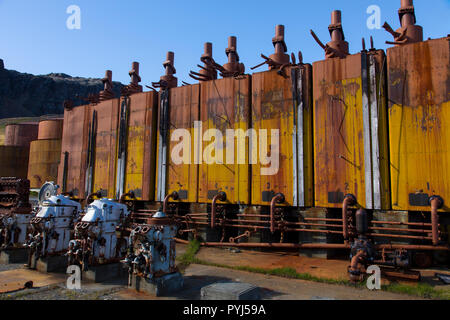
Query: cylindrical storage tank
{"x": 20, "y": 134}
{"x": 50, "y": 129}
{"x": 14, "y": 161}
{"x": 44, "y": 161}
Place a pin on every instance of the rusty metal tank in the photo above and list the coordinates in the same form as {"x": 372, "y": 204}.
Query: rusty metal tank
{"x": 74, "y": 149}
{"x": 136, "y": 146}
{"x": 21, "y": 134}
{"x": 105, "y": 120}
{"x": 50, "y": 129}
{"x": 44, "y": 159}
{"x": 224, "y": 104}
{"x": 419, "y": 123}
{"x": 14, "y": 161}
{"x": 180, "y": 116}
{"x": 282, "y": 103}
{"x": 350, "y": 126}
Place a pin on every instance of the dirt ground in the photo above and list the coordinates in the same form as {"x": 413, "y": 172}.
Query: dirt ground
{"x": 53, "y": 286}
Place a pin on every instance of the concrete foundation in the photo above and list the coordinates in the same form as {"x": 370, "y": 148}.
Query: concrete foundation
{"x": 313, "y": 237}
{"x": 161, "y": 286}
{"x": 52, "y": 264}
{"x": 230, "y": 291}
{"x": 15, "y": 255}
{"x": 104, "y": 272}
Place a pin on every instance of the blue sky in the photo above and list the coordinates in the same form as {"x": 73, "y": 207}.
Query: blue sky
{"x": 34, "y": 37}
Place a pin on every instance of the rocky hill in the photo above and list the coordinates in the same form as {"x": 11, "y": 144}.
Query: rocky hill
{"x": 26, "y": 95}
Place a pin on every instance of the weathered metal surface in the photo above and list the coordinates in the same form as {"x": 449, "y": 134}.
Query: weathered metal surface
{"x": 224, "y": 104}
{"x": 140, "y": 147}
{"x": 50, "y": 129}
{"x": 346, "y": 109}
{"x": 419, "y": 119}
{"x": 180, "y": 177}
{"x": 74, "y": 142}
{"x": 43, "y": 164}
{"x": 409, "y": 32}
{"x": 105, "y": 147}
{"x": 14, "y": 161}
{"x": 20, "y": 134}
{"x": 279, "y": 103}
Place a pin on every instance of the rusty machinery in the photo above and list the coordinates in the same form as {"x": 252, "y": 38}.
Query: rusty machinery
{"x": 100, "y": 236}
{"x": 52, "y": 226}
{"x": 279, "y": 59}
{"x": 152, "y": 252}
{"x": 409, "y": 32}
{"x": 15, "y": 212}
{"x": 337, "y": 47}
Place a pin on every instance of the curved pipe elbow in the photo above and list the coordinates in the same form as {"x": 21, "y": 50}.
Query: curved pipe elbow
{"x": 129, "y": 194}
{"x": 91, "y": 196}
{"x": 221, "y": 196}
{"x": 174, "y": 196}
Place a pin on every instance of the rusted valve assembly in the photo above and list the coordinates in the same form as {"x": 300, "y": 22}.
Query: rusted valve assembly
{"x": 168, "y": 81}
{"x": 409, "y": 32}
{"x": 134, "y": 86}
{"x": 208, "y": 71}
{"x": 233, "y": 68}
{"x": 279, "y": 60}
{"x": 107, "y": 93}
{"x": 337, "y": 47}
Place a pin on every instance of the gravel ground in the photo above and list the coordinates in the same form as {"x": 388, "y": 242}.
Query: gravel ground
{"x": 60, "y": 292}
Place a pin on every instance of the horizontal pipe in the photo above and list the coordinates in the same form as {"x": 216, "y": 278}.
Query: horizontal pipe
{"x": 323, "y": 219}
{"x": 315, "y": 245}
{"x": 385, "y": 235}
{"x": 418, "y": 224}
{"x": 401, "y": 230}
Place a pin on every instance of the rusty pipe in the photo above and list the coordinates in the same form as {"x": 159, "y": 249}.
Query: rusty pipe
{"x": 278, "y": 198}
{"x": 174, "y": 195}
{"x": 436, "y": 203}
{"x": 349, "y": 200}
{"x": 355, "y": 272}
{"x": 221, "y": 196}
{"x": 128, "y": 194}
{"x": 91, "y": 196}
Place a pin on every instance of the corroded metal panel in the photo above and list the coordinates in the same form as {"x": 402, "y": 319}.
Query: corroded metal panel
{"x": 284, "y": 104}
{"x": 182, "y": 177}
{"x": 140, "y": 147}
{"x": 43, "y": 162}
{"x": 419, "y": 123}
{"x": 14, "y": 161}
{"x": 224, "y": 104}
{"x": 74, "y": 143}
{"x": 348, "y": 104}
{"x": 105, "y": 147}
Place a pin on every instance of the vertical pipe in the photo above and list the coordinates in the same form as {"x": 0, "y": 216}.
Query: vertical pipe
{"x": 278, "y": 198}
{"x": 349, "y": 200}
{"x": 436, "y": 203}
{"x": 221, "y": 196}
